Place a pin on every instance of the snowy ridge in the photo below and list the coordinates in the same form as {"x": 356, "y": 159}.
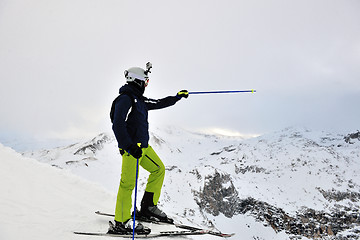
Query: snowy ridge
{"x": 287, "y": 184}
{"x": 288, "y": 179}
{"x": 288, "y": 168}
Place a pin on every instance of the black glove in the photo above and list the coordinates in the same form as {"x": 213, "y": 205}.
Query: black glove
{"x": 183, "y": 93}
{"x": 135, "y": 151}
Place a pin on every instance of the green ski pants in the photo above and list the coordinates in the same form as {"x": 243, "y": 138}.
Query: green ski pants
{"x": 151, "y": 162}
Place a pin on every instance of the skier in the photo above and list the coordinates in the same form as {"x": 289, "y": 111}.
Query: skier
{"x": 129, "y": 114}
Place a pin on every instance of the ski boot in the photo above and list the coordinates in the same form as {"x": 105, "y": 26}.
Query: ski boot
{"x": 126, "y": 228}
{"x": 151, "y": 212}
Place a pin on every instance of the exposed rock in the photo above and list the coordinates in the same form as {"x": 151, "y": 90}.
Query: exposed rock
{"x": 220, "y": 196}
{"x": 253, "y": 169}
{"x": 352, "y": 136}
{"x": 334, "y": 195}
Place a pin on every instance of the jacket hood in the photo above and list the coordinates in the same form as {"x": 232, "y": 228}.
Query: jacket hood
{"x": 129, "y": 88}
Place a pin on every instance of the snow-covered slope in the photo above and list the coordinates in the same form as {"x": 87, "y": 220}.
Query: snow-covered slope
{"x": 41, "y": 202}
{"x": 294, "y": 182}
{"x": 293, "y": 168}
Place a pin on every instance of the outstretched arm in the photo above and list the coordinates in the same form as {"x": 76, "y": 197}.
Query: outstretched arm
{"x": 165, "y": 102}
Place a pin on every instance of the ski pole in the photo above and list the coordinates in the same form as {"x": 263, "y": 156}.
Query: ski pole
{"x": 236, "y": 91}
{"x": 136, "y": 178}
{"x": 137, "y": 168}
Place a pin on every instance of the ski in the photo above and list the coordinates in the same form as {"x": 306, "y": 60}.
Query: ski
{"x": 191, "y": 228}
{"x": 150, "y": 235}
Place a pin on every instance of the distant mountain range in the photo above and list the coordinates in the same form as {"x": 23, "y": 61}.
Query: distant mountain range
{"x": 296, "y": 182}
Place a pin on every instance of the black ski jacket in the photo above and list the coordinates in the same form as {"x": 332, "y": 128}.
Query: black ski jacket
{"x": 130, "y": 116}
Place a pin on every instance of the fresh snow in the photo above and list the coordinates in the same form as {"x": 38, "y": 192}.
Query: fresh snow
{"x": 285, "y": 169}
{"x": 43, "y": 202}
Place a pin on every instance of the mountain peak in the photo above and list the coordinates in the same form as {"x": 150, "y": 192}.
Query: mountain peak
{"x": 95, "y": 144}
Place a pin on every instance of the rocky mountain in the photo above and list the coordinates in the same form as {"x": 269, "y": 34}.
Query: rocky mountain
{"x": 290, "y": 184}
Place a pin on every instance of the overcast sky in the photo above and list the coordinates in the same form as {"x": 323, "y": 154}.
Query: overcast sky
{"x": 62, "y": 63}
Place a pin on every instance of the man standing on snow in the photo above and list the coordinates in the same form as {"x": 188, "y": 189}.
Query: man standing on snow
{"x": 129, "y": 115}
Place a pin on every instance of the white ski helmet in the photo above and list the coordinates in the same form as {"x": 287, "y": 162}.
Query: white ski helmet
{"x": 138, "y": 75}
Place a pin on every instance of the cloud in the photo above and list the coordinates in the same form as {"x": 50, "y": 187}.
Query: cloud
{"x": 61, "y": 63}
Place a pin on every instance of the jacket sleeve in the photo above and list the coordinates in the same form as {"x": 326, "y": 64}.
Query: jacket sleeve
{"x": 153, "y": 104}
{"x": 122, "y": 107}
